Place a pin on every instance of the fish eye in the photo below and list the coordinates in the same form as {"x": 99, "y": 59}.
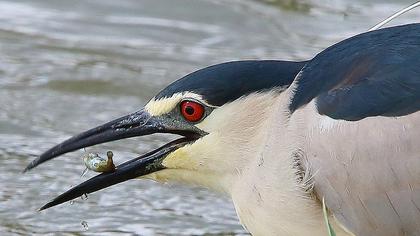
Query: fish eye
{"x": 192, "y": 111}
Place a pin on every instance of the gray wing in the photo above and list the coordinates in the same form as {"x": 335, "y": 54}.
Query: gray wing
{"x": 362, "y": 98}
{"x": 368, "y": 171}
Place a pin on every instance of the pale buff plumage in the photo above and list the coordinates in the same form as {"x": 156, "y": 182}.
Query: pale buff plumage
{"x": 276, "y": 166}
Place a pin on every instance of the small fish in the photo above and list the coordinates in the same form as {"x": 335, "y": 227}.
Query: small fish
{"x": 98, "y": 164}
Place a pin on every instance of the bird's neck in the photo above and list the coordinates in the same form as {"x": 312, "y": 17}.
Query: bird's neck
{"x": 272, "y": 195}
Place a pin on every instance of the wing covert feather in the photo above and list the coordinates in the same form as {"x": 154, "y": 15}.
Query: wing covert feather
{"x": 372, "y": 74}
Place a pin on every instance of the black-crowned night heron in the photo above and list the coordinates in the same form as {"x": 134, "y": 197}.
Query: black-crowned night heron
{"x": 278, "y": 136}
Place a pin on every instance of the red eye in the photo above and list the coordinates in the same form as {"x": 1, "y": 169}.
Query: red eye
{"x": 192, "y": 111}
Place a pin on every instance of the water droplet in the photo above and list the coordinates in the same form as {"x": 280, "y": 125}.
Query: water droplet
{"x": 84, "y": 197}
{"x": 71, "y": 202}
{"x": 85, "y": 225}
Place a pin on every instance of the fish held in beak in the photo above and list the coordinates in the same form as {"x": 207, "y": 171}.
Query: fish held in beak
{"x": 136, "y": 124}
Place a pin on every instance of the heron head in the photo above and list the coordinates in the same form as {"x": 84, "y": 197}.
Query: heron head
{"x": 218, "y": 111}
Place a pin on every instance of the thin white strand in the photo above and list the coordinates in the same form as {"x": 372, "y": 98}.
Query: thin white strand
{"x": 399, "y": 13}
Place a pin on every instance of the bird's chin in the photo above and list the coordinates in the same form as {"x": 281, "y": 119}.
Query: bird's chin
{"x": 140, "y": 167}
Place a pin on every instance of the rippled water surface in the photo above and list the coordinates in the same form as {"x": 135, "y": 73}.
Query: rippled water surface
{"x": 66, "y": 66}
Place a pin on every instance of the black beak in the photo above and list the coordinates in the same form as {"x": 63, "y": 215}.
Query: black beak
{"x": 143, "y": 165}
{"x": 136, "y": 124}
